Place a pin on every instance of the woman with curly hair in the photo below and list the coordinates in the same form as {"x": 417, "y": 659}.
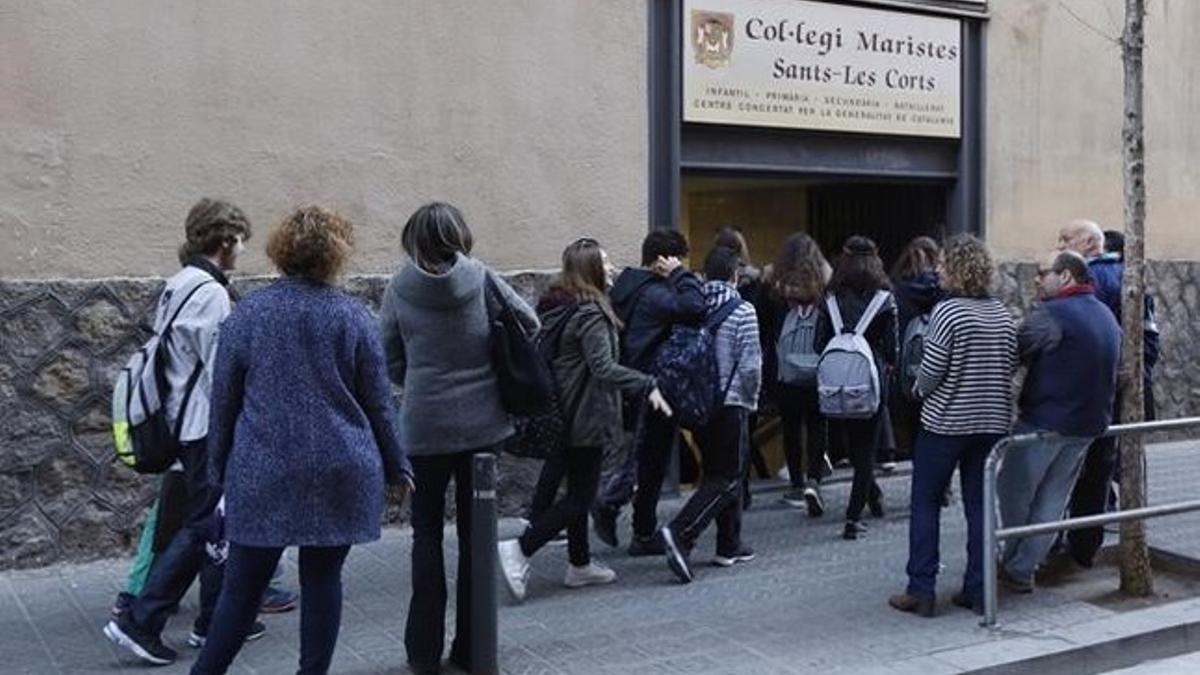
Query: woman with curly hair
{"x": 301, "y": 437}
{"x": 965, "y": 382}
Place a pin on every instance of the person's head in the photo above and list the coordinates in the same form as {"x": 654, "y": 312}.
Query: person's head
{"x": 585, "y": 268}
{"x": 1083, "y": 237}
{"x": 731, "y": 237}
{"x": 1114, "y": 242}
{"x": 663, "y": 243}
{"x": 1059, "y": 270}
{"x": 434, "y": 236}
{"x": 313, "y": 243}
{"x": 859, "y": 269}
{"x": 920, "y": 256}
{"x": 800, "y": 271}
{"x": 587, "y": 274}
{"x": 966, "y": 268}
{"x": 216, "y": 230}
{"x": 721, "y": 265}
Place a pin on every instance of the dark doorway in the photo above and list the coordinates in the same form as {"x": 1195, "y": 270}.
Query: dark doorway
{"x": 890, "y": 213}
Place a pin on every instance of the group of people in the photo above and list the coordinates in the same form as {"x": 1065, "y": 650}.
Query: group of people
{"x": 290, "y": 437}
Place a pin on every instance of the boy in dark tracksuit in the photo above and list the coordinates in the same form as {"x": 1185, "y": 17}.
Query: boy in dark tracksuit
{"x": 725, "y": 439}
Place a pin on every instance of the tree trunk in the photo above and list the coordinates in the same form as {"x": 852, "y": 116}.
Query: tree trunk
{"x": 1135, "y": 559}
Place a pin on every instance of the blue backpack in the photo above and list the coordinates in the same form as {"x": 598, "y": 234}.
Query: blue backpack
{"x": 685, "y": 369}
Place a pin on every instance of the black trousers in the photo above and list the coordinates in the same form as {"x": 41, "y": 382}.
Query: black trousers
{"x": 803, "y": 433}
{"x": 1090, "y": 497}
{"x": 184, "y": 558}
{"x": 653, "y": 453}
{"x": 861, "y": 441}
{"x": 248, "y": 574}
{"x": 581, "y": 467}
{"x": 424, "y": 633}
{"x": 723, "y": 446}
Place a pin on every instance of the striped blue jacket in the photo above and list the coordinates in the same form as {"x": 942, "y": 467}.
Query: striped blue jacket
{"x": 737, "y": 347}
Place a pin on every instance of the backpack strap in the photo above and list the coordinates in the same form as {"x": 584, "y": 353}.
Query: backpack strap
{"x": 871, "y": 311}
{"x": 179, "y": 310}
{"x": 835, "y": 314}
{"x": 723, "y": 312}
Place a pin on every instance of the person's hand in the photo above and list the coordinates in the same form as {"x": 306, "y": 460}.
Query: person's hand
{"x": 659, "y": 403}
{"x": 400, "y": 491}
{"x": 663, "y": 266}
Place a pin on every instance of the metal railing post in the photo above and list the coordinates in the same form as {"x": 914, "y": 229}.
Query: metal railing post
{"x": 992, "y": 534}
{"x": 990, "y": 596}
{"x": 484, "y": 610}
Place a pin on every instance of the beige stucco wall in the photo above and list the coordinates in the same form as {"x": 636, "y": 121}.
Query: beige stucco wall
{"x": 1054, "y": 116}
{"x": 116, "y": 116}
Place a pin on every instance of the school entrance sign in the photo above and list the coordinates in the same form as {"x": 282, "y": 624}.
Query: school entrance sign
{"x": 813, "y": 65}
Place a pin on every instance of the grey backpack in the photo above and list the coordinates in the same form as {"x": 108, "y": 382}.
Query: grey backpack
{"x": 796, "y": 351}
{"x": 847, "y": 377}
{"x": 912, "y": 350}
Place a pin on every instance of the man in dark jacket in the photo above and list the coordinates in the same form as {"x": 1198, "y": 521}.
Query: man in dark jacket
{"x": 649, "y": 300}
{"x": 1092, "y": 492}
{"x": 1071, "y": 347}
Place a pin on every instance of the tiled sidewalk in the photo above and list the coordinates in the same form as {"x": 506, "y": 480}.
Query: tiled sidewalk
{"x": 811, "y": 602}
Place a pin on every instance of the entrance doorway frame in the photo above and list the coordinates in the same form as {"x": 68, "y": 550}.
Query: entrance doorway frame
{"x": 713, "y": 147}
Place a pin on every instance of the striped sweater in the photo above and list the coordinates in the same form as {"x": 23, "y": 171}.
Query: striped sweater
{"x": 966, "y": 376}
{"x": 737, "y": 346}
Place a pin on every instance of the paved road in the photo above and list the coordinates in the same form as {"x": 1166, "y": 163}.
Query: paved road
{"x": 811, "y": 602}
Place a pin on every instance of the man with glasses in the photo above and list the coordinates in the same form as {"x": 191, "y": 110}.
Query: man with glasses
{"x": 1070, "y": 344}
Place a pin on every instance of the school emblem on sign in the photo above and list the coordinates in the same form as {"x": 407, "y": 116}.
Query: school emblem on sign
{"x": 712, "y": 38}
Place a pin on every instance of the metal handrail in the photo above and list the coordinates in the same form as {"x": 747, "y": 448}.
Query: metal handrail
{"x": 992, "y": 535}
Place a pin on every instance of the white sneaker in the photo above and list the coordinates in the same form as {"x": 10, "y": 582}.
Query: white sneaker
{"x": 515, "y": 566}
{"x": 591, "y": 574}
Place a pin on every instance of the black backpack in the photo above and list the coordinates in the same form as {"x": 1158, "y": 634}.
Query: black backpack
{"x": 522, "y": 374}
{"x": 547, "y": 429}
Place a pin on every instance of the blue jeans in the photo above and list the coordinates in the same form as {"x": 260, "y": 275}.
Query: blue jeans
{"x": 934, "y": 459}
{"x": 1034, "y": 486}
{"x": 248, "y": 571}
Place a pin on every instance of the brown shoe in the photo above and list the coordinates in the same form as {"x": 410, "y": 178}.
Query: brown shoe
{"x": 913, "y": 604}
{"x": 967, "y": 602}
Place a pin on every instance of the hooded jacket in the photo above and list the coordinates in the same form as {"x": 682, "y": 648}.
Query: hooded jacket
{"x": 436, "y": 336}
{"x": 586, "y": 369}
{"x": 738, "y": 350}
{"x": 916, "y": 296}
{"x": 650, "y": 305}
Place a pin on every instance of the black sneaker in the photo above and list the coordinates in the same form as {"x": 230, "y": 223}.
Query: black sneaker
{"x": 197, "y": 639}
{"x": 122, "y": 604}
{"x": 812, "y": 499}
{"x": 853, "y": 529}
{"x": 604, "y": 524}
{"x": 743, "y": 554}
{"x": 677, "y": 559}
{"x": 148, "y": 648}
{"x": 641, "y": 547}
{"x": 794, "y": 498}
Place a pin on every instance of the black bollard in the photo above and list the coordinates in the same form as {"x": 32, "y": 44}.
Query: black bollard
{"x": 484, "y": 631}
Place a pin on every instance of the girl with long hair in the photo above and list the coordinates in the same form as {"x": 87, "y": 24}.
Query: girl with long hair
{"x": 857, "y": 277}
{"x": 796, "y": 284}
{"x": 590, "y": 382}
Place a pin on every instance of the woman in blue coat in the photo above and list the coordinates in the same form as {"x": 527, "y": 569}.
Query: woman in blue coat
{"x": 301, "y": 437}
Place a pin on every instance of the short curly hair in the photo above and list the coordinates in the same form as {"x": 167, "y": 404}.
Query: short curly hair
{"x": 312, "y": 242}
{"x": 968, "y": 267}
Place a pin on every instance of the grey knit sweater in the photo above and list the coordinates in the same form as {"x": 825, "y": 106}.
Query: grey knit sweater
{"x": 435, "y": 334}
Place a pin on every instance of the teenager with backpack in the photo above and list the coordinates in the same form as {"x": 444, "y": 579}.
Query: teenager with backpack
{"x": 577, "y": 316}
{"x": 915, "y": 283}
{"x": 856, "y": 335}
{"x": 649, "y": 300}
{"x": 965, "y": 381}
{"x": 723, "y": 438}
{"x": 190, "y": 310}
{"x": 796, "y": 289}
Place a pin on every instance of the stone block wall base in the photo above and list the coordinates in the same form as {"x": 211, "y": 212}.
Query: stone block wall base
{"x": 63, "y": 496}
